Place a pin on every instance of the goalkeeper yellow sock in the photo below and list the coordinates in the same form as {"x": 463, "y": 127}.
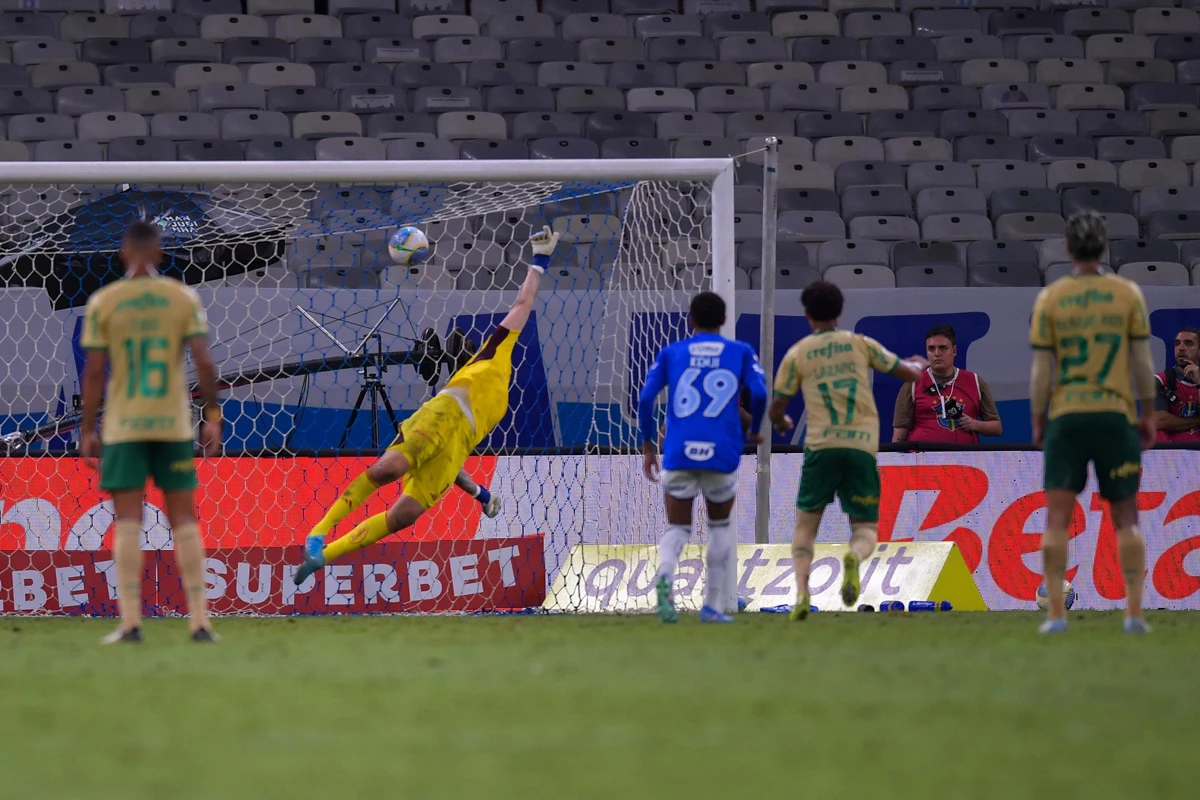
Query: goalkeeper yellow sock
{"x": 354, "y": 496}
{"x": 368, "y": 532}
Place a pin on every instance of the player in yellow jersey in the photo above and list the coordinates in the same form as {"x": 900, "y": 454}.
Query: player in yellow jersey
{"x": 434, "y": 443}
{"x": 1090, "y": 334}
{"x": 138, "y": 328}
{"x": 832, "y": 368}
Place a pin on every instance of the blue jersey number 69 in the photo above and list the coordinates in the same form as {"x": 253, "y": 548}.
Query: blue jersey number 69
{"x": 720, "y": 385}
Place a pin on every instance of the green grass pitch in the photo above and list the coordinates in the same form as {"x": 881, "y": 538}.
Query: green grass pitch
{"x": 873, "y": 706}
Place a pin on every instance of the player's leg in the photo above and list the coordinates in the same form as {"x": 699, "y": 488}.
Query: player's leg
{"x": 859, "y": 495}
{"x": 1118, "y": 458}
{"x": 124, "y": 468}
{"x": 1065, "y": 456}
{"x": 173, "y": 467}
{"x": 719, "y": 491}
{"x": 390, "y": 467}
{"x": 680, "y": 488}
{"x": 818, "y": 485}
{"x": 489, "y": 501}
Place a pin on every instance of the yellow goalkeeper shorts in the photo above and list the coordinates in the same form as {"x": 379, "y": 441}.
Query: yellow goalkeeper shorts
{"x": 436, "y": 440}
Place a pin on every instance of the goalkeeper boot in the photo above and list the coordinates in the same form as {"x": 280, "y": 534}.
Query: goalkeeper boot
{"x": 710, "y": 614}
{"x": 850, "y": 579}
{"x": 666, "y": 604}
{"x": 1053, "y": 626}
{"x": 123, "y": 636}
{"x": 1136, "y": 626}
{"x": 459, "y": 349}
{"x": 314, "y": 558}
{"x": 802, "y": 607}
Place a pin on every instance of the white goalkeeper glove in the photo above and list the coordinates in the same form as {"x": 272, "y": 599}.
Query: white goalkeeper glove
{"x": 543, "y": 243}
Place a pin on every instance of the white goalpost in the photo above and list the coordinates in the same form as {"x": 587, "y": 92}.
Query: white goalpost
{"x": 323, "y": 344}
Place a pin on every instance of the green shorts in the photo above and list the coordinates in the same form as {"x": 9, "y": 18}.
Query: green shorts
{"x": 1106, "y": 439}
{"x": 126, "y": 465}
{"x": 850, "y": 474}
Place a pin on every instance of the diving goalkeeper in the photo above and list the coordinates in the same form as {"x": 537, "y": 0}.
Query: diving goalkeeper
{"x": 433, "y": 444}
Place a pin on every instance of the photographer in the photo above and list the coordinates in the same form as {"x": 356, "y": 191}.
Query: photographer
{"x": 948, "y": 404}
{"x": 1177, "y": 408}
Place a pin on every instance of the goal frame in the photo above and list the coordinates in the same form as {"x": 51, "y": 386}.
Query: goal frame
{"x": 716, "y": 173}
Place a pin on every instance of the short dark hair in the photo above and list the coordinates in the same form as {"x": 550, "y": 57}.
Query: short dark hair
{"x": 1087, "y": 236}
{"x": 1189, "y": 329}
{"x": 707, "y": 310}
{"x": 822, "y": 301}
{"x": 943, "y": 330}
{"x": 141, "y": 232}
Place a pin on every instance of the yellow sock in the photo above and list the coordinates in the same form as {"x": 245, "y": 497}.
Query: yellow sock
{"x": 354, "y": 496}
{"x": 368, "y": 532}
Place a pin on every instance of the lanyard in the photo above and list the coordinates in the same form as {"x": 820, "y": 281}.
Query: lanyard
{"x": 936, "y": 388}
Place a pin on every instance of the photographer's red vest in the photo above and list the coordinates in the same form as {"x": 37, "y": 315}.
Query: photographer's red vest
{"x": 1183, "y": 400}
{"x": 937, "y": 411}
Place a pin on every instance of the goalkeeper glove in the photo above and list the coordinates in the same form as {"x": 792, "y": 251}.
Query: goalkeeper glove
{"x": 543, "y": 244}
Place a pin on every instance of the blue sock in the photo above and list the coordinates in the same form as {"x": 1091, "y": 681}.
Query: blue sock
{"x": 484, "y": 496}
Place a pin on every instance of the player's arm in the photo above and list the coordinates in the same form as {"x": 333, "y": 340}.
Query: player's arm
{"x": 787, "y": 385}
{"x": 883, "y": 360}
{"x": 656, "y": 381}
{"x": 1142, "y": 366}
{"x": 755, "y": 380}
{"x": 94, "y": 341}
{"x": 490, "y": 502}
{"x": 542, "y": 243}
{"x": 206, "y": 385}
{"x": 1041, "y": 372}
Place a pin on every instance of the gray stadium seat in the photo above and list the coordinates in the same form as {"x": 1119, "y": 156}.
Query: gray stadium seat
{"x": 141, "y": 148}
{"x": 295, "y": 99}
{"x": 1089, "y": 21}
{"x": 1142, "y": 250}
{"x": 1033, "y": 48}
{"x": 810, "y": 226}
{"x": 790, "y": 96}
{"x": 1177, "y": 47}
{"x": 651, "y": 26}
{"x": 841, "y": 252}
{"x": 908, "y": 254}
{"x": 209, "y": 150}
{"x": 603, "y": 125}
{"x": 1059, "y": 173}
{"x": 507, "y": 27}
{"x": 500, "y": 149}
{"x": 956, "y": 227}
{"x": 415, "y": 74}
{"x": 943, "y": 97}
{"x": 1004, "y": 275}
{"x": 577, "y": 27}
{"x": 220, "y": 27}
{"x": 749, "y": 48}
{"x": 432, "y": 26}
{"x": 671, "y": 50}
{"x": 519, "y": 99}
{"x": 821, "y": 49}
{"x": 392, "y": 125}
{"x": 537, "y": 51}
{"x": 744, "y": 124}
{"x": 815, "y": 125}
{"x": 807, "y": 19}
{"x": 793, "y": 199}
{"x": 1028, "y": 122}
{"x": 990, "y": 251}
{"x": 350, "y": 148}
{"x": 255, "y": 50}
{"x": 1024, "y": 201}
{"x": 1029, "y": 226}
{"x": 793, "y": 255}
{"x": 201, "y": 8}
{"x": 892, "y": 124}
{"x": 1020, "y": 21}
{"x": 884, "y": 229}
{"x": 59, "y": 74}
{"x": 938, "y": 174}
{"x": 559, "y": 74}
{"x": 954, "y": 123}
{"x": 876, "y": 201}
{"x": 563, "y": 147}
{"x": 634, "y": 148}
{"x": 184, "y": 51}
{"x": 959, "y": 47}
{"x": 1003, "y": 96}
{"x": 25, "y": 101}
{"x": 40, "y": 127}
{"x": 705, "y": 147}
{"x": 1044, "y": 149}
{"x": 429, "y": 148}
{"x": 1174, "y": 122}
{"x": 1155, "y": 96}
{"x": 319, "y": 50}
{"x": 361, "y": 99}
{"x": 239, "y": 125}
{"x": 930, "y": 276}
{"x": 606, "y": 51}
{"x": 281, "y": 74}
{"x": 532, "y": 125}
{"x": 724, "y": 99}
{"x": 1154, "y": 199}
{"x": 675, "y": 124}
{"x": 635, "y": 74}
{"x": 481, "y": 74}
{"x": 214, "y": 96}
{"x": 397, "y": 50}
{"x": 699, "y": 74}
{"x": 658, "y": 100}
{"x": 157, "y": 99}
{"x": 586, "y": 99}
{"x": 75, "y": 101}
{"x": 1104, "y": 198}
{"x": 1000, "y": 174}
{"x": 177, "y": 126}
{"x": 68, "y": 150}
{"x": 432, "y": 99}
{"x": 1112, "y": 123}
{"x": 726, "y": 23}
{"x": 978, "y": 150}
{"x": 868, "y": 172}
{"x": 191, "y": 76}
{"x": 378, "y": 24}
{"x": 950, "y": 199}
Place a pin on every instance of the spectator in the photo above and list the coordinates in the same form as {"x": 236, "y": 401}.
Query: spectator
{"x": 1177, "y": 408}
{"x": 948, "y": 404}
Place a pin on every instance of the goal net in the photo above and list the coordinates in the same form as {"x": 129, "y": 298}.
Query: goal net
{"x": 323, "y": 345}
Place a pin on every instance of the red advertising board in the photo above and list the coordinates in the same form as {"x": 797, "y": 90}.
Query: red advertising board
{"x": 443, "y": 576}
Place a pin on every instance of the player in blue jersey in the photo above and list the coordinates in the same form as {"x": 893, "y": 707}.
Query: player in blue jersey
{"x": 705, "y": 435}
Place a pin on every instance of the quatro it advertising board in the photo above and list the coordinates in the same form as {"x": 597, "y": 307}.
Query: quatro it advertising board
{"x": 600, "y": 578}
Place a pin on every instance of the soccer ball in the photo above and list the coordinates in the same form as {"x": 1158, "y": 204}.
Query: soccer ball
{"x": 1043, "y": 600}
{"x": 408, "y": 246}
